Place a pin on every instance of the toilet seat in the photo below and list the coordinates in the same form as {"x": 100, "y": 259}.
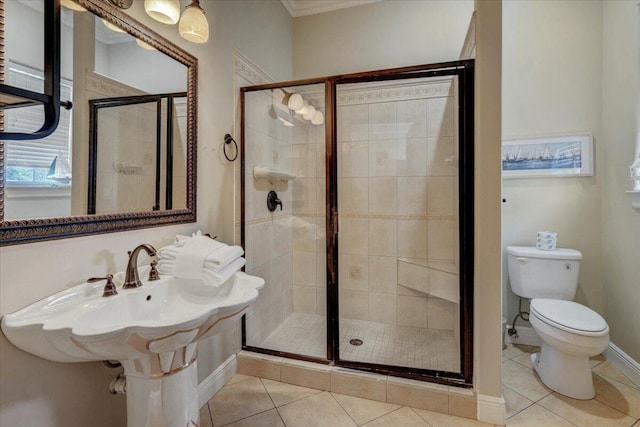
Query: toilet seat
{"x": 569, "y": 316}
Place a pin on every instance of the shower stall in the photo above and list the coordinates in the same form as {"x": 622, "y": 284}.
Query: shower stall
{"x": 368, "y": 257}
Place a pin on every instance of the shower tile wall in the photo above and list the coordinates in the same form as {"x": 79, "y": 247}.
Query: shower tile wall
{"x": 268, "y": 235}
{"x": 126, "y": 134}
{"x": 398, "y": 202}
{"x": 309, "y": 243}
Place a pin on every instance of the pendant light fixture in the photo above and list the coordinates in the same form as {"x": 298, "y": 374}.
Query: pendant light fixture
{"x": 111, "y": 26}
{"x": 145, "y": 45}
{"x": 70, "y": 4}
{"x": 165, "y": 11}
{"x": 193, "y": 25}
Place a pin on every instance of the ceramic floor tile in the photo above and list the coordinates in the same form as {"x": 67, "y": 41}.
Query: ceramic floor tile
{"x": 524, "y": 359}
{"x": 319, "y": 410}
{"x": 238, "y": 401}
{"x": 513, "y": 350}
{"x": 585, "y": 413}
{"x": 403, "y": 417}
{"x": 514, "y": 402}
{"x": 238, "y": 378}
{"x": 606, "y": 369}
{"x": 537, "y": 416}
{"x": 269, "y": 418}
{"x": 523, "y": 380}
{"x": 435, "y": 419}
{"x": 596, "y": 360}
{"x": 363, "y": 410}
{"x": 282, "y": 393}
{"x": 617, "y": 395}
{"x": 205, "y": 417}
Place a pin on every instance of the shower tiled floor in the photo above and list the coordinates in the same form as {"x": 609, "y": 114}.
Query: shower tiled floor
{"x": 382, "y": 343}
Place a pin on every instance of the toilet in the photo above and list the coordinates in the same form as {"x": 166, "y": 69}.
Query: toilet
{"x": 570, "y": 332}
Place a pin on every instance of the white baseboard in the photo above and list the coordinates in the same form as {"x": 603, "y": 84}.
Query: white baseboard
{"x": 491, "y": 409}
{"x": 623, "y": 362}
{"x": 216, "y": 380}
{"x": 526, "y": 336}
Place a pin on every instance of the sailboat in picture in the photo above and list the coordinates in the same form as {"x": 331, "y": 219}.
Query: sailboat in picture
{"x": 60, "y": 170}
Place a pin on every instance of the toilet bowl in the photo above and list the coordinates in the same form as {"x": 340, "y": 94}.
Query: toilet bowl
{"x": 570, "y": 334}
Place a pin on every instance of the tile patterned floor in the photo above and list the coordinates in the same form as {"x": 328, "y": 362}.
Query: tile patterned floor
{"x": 256, "y": 402}
{"x": 382, "y": 343}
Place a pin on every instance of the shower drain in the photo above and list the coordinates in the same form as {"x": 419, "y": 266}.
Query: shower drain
{"x": 356, "y": 341}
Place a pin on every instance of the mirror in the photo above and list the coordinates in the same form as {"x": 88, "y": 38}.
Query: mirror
{"x": 123, "y": 155}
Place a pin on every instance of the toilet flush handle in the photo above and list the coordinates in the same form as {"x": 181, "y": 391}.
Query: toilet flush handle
{"x": 522, "y": 259}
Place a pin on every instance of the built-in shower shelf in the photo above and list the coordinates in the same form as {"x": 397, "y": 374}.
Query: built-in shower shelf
{"x": 635, "y": 200}
{"x": 438, "y": 279}
{"x": 272, "y": 174}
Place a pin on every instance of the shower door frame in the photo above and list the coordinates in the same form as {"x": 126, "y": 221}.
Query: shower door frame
{"x": 464, "y": 70}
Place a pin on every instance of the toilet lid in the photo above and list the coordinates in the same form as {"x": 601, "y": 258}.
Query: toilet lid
{"x": 568, "y": 314}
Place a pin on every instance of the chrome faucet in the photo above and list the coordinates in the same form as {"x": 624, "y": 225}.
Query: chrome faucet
{"x": 131, "y": 279}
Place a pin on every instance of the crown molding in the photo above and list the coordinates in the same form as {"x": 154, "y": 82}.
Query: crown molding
{"x": 298, "y": 8}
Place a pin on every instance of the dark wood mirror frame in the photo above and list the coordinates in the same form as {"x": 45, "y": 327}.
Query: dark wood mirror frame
{"x": 25, "y": 231}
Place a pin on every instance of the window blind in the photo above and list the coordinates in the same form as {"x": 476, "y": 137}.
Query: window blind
{"x": 41, "y": 152}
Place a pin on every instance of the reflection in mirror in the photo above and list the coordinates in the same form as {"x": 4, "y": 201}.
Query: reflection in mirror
{"x": 137, "y": 153}
{"x": 143, "y": 159}
{"x": 41, "y": 178}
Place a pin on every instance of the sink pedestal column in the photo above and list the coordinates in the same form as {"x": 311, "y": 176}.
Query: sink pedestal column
{"x": 158, "y": 397}
{"x": 170, "y": 401}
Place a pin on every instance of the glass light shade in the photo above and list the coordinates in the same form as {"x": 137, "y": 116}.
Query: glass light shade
{"x": 112, "y": 27}
{"x": 193, "y": 25}
{"x": 70, "y": 4}
{"x": 295, "y": 102}
{"x": 318, "y": 118}
{"x": 144, "y": 45}
{"x": 310, "y": 113}
{"x": 165, "y": 11}
{"x": 304, "y": 109}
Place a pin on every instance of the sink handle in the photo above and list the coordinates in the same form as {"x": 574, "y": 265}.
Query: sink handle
{"x": 109, "y": 287}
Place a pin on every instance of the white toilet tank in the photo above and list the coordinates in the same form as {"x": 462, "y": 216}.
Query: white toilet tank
{"x": 534, "y": 273}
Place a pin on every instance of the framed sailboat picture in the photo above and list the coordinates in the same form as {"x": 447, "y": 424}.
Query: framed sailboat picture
{"x": 554, "y": 156}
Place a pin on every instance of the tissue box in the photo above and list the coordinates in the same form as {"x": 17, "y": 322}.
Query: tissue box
{"x": 547, "y": 240}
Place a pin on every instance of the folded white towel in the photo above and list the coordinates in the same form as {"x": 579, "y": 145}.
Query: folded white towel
{"x": 225, "y": 255}
{"x": 213, "y": 278}
{"x": 189, "y": 260}
{"x": 221, "y": 255}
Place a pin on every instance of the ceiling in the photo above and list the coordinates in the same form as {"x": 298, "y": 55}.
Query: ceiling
{"x": 298, "y": 8}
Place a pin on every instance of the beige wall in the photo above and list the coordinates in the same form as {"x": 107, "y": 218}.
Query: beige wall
{"x": 552, "y": 84}
{"x": 620, "y": 224}
{"x": 36, "y": 392}
{"x": 380, "y": 35}
{"x": 487, "y": 221}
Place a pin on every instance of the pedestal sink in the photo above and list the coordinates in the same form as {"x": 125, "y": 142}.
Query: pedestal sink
{"x": 153, "y": 331}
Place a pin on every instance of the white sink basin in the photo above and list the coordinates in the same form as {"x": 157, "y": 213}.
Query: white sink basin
{"x": 79, "y": 324}
{"x": 152, "y": 330}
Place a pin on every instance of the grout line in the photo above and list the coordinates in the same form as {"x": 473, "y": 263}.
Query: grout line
{"x": 344, "y": 409}
{"x": 268, "y": 394}
{"x": 253, "y": 415}
{"x": 414, "y": 411}
{"x": 281, "y": 419}
{"x": 209, "y": 412}
{"x": 557, "y": 415}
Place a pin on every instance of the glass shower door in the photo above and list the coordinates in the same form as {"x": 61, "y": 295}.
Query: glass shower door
{"x": 287, "y": 246}
{"x": 397, "y": 148}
